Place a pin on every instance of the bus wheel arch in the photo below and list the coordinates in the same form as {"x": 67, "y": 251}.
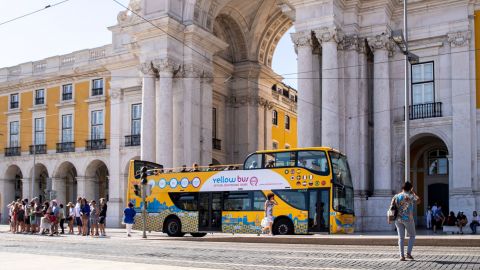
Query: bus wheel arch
{"x": 283, "y": 225}
{"x": 172, "y": 226}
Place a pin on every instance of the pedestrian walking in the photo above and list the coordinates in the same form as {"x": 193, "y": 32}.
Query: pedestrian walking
{"x": 129, "y": 218}
{"x": 269, "y": 204}
{"x": 404, "y": 203}
{"x": 102, "y": 217}
{"x": 475, "y": 222}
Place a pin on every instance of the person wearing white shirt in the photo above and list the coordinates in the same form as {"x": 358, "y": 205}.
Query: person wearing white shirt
{"x": 78, "y": 217}
{"x": 475, "y": 222}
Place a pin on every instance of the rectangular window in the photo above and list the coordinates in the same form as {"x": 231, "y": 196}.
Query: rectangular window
{"x": 67, "y": 133}
{"x": 185, "y": 201}
{"x": 67, "y": 92}
{"x": 259, "y": 201}
{"x": 14, "y": 134}
{"x": 97, "y": 87}
{"x": 214, "y": 123}
{"x": 39, "y": 97}
{"x": 136, "y": 119}
{"x": 39, "y": 131}
{"x": 14, "y": 101}
{"x": 96, "y": 125}
{"x": 296, "y": 198}
{"x": 287, "y": 122}
{"x": 423, "y": 88}
{"x": 237, "y": 201}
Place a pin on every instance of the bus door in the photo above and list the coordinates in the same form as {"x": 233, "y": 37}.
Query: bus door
{"x": 210, "y": 211}
{"x": 318, "y": 210}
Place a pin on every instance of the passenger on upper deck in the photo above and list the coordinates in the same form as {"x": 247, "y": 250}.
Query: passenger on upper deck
{"x": 195, "y": 167}
{"x": 184, "y": 168}
{"x": 269, "y": 164}
{"x": 254, "y": 165}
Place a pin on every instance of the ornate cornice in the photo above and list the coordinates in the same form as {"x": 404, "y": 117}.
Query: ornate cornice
{"x": 381, "y": 42}
{"x": 459, "y": 39}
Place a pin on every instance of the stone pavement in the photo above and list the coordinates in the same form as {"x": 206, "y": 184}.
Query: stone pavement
{"x": 120, "y": 252}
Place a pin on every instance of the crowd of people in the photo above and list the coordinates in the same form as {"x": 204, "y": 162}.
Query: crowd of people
{"x": 436, "y": 219}
{"x": 50, "y": 217}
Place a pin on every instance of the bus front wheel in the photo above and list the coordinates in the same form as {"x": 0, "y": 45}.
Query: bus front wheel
{"x": 198, "y": 234}
{"x": 283, "y": 227}
{"x": 173, "y": 227}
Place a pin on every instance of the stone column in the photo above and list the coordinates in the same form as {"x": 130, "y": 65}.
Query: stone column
{"x": 363, "y": 117}
{"x": 191, "y": 115}
{"x": 60, "y": 187}
{"x": 26, "y": 188}
{"x": 381, "y": 45}
{"x": 178, "y": 122}
{"x": 461, "y": 195}
{"x": 352, "y": 99}
{"x": 164, "y": 112}
{"x": 114, "y": 189}
{"x": 86, "y": 187}
{"x": 206, "y": 119}
{"x": 148, "y": 113}
{"x": 329, "y": 39}
{"x": 7, "y": 188}
{"x": 306, "y": 96}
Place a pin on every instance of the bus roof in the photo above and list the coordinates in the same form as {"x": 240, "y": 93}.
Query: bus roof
{"x": 322, "y": 148}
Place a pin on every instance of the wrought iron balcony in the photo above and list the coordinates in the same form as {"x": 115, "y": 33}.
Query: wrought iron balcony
{"x": 14, "y": 105}
{"x": 65, "y": 147}
{"x": 217, "y": 144}
{"x": 39, "y": 149}
{"x": 132, "y": 140}
{"x": 96, "y": 144}
{"x": 12, "y": 151}
{"x": 66, "y": 96}
{"x": 39, "y": 101}
{"x": 426, "y": 110}
{"x": 97, "y": 91}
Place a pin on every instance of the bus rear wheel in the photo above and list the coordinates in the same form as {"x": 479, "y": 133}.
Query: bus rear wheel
{"x": 173, "y": 227}
{"x": 198, "y": 234}
{"x": 283, "y": 227}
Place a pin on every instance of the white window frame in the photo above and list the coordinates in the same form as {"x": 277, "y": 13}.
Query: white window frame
{"x": 135, "y": 119}
{"x": 62, "y": 128}
{"x": 10, "y": 133}
{"x": 35, "y": 97}
{"x": 73, "y": 92}
{"x": 102, "y": 133}
{"x": 287, "y": 122}
{"x": 275, "y": 117}
{"x": 422, "y": 82}
{"x": 91, "y": 87}
{"x": 39, "y": 131}
{"x": 10, "y": 101}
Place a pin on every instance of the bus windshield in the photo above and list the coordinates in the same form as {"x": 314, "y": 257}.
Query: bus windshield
{"x": 342, "y": 184}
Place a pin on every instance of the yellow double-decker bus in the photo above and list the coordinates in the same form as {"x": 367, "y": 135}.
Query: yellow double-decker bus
{"x": 313, "y": 188}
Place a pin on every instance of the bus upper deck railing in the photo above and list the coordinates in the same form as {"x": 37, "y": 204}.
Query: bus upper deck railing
{"x": 184, "y": 169}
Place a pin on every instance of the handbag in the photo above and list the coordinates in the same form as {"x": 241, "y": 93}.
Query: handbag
{"x": 392, "y": 212}
{"x": 264, "y": 222}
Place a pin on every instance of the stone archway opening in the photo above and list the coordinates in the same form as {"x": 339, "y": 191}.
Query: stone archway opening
{"x": 64, "y": 183}
{"x": 42, "y": 187}
{"x": 430, "y": 173}
{"x": 14, "y": 178}
{"x": 96, "y": 183}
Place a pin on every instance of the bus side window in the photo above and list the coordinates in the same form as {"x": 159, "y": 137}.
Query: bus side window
{"x": 237, "y": 201}
{"x": 259, "y": 201}
{"x": 253, "y": 162}
{"x": 185, "y": 201}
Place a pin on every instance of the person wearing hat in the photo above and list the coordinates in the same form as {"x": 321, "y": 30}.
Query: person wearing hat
{"x": 70, "y": 217}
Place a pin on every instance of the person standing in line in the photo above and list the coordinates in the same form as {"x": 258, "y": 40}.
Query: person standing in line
{"x": 71, "y": 217}
{"x": 269, "y": 204}
{"x": 129, "y": 218}
{"x": 78, "y": 215}
{"x": 61, "y": 216}
{"x": 94, "y": 216}
{"x": 20, "y": 218}
{"x": 428, "y": 218}
{"x": 31, "y": 216}
{"x": 404, "y": 202}
{"x": 85, "y": 213}
{"x": 475, "y": 222}
{"x": 102, "y": 216}
{"x": 26, "y": 208}
{"x": 38, "y": 214}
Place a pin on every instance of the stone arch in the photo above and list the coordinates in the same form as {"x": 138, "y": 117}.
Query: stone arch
{"x": 399, "y": 152}
{"x": 64, "y": 182}
{"x": 277, "y": 26}
{"x": 42, "y": 182}
{"x": 96, "y": 180}
{"x": 228, "y": 30}
{"x": 14, "y": 178}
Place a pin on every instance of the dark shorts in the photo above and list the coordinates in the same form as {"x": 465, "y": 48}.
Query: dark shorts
{"x": 78, "y": 221}
{"x": 27, "y": 220}
{"x": 101, "y": 220}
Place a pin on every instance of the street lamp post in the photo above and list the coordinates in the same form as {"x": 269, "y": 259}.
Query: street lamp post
{"x": 407, "y": 103}
{"x": 34, "y": 161}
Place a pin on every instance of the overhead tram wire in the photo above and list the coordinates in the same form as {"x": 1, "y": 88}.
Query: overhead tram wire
{"x": 33, "y": 12}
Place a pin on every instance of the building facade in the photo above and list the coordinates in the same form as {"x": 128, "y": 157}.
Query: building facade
{"x": 201, "y": 70}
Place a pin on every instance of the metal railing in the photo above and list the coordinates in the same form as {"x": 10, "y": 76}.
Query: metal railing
{"x": 14, "y": 105}
{"x": 39, "y": 149}
{"x": 426, "y": 110}
{"x": 217, "y": 144}
{"x": 96, "y": 144}
{"x": 132, "y": 140}
{"x": 66, "y": 96}
{"x": 12, "y": 151}
{"x": 64, "y": 147}
{"x": 39, "y": 101}
{"x": 97, "y": 91}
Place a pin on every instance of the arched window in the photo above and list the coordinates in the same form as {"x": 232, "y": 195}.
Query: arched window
{"x": 437, "y": 162}
{"x": 275, "y": 117}
{"x": 287, "y": 122}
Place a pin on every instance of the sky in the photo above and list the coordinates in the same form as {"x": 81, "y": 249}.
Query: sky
{"x": 81, "y": 24}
